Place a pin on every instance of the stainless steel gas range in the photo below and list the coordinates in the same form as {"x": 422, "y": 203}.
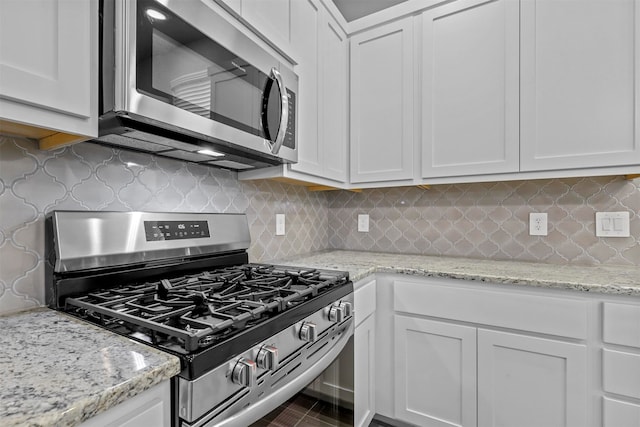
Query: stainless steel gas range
{"x": 249, "y": 336}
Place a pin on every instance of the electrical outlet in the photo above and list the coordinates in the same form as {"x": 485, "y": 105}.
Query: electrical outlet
{"x": 363, "y": 223}
{"x": 279, "y": 224}
{"x": 537, "y": 224}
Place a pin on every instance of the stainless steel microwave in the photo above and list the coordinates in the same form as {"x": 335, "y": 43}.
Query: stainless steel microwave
{"x": 179, "y": 80}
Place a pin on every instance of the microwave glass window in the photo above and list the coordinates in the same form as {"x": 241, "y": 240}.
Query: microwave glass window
{"x": 180, "y": 73}
{"x": 179, "y": 65}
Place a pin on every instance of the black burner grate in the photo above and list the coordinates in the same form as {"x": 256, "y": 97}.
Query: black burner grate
{"x": 195, "y": 311}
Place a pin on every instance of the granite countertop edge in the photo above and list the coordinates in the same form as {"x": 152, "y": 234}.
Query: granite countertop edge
{"x": 85, "y": 409}
{"x": 35, "y": 391}
{"x": 603, "y": 279}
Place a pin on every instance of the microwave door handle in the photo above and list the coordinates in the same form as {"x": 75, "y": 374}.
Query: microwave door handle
{"x": 284, "y": 113}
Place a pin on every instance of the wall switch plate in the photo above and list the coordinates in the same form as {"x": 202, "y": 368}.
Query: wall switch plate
{"x": 363, "y": 223}
{"x": 279, "y": 224}
{"x": 612, "y": 224}
{"x": 537, "y": 224}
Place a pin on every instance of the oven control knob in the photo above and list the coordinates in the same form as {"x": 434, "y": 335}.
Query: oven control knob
{"x": 267, "y": 358}
{"x": 244, "y": 372}
{"x": 336, "y": 314}
{"x": 308, "y": 332}
{"x": 339, "y": 311}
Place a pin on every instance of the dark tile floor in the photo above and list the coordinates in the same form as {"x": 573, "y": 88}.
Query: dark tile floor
{"x": 305, "y": 411}
{"x": 378, "y": 423}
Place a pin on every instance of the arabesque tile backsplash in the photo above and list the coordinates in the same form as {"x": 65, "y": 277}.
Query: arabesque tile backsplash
{"x": 488, "y": 220}
{"x": 491, "y": 220}
{"x": 87, "y": 176}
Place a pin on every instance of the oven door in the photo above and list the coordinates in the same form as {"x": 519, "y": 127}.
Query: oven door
{"x": 326, "y": 401}
{"x": 317, "y": 375}
{"x": 312, "y": 388}
{"x": 181, "y": 64}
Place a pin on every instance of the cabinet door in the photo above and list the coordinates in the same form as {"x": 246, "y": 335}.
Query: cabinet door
{"x": 530, "y": 382}
{"x": 470, "y": 88}
{"x": 332, "y": 135}
{"x": 580, "y": 64}
{"x": 620, "y": 414}
{"x": 382, "y": 103}
{"x": 364, "y": 372}
{"x": 48, "y": 64}
{"x": 305, "y": 29}
{"x": 272, "y": 18}
{"x": 435, "y": 372}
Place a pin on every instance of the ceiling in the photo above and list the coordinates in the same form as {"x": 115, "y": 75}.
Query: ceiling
{"x": 354, "y": 9}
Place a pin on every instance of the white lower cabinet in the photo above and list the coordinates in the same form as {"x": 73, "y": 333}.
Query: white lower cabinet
{"x": 530, "y": 382}
{"x": 510, "y": 380}
{"x": 620, "y": 414}
{"x": 151, "y": 408}
{"x": 435, "y": 372}
{"x": 364, "y": 372}
{"x": 621, "y": 364}
{"x": 472, "y": 355}
{"x": 364, "y": 348}
{"x": 456, "y": 353}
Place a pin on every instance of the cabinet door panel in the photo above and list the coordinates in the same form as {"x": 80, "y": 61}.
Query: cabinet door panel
{"x": 621, "y": 324}
{"x": 48, "y": 68}
{"x": 580, "y": 83}
{"x": 530, "y": 382}
{"x": 382, "y": 103}
{"x": 470, "y": 88}
{"x": 621, "y": 373}
{"x": 272, "y": 18}
{"x": 305, "y": 29}
{"x": 435, "y": 372}
{"x": 364, "y": 372}
{"x": 332, "y": 134}
{"x": 620, "y": 414}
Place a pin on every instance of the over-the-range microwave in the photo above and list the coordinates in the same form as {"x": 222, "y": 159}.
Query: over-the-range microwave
{"x": 178, "y": 80}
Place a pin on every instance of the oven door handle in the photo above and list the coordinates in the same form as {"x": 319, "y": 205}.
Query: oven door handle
{"x": 261, "y": 408}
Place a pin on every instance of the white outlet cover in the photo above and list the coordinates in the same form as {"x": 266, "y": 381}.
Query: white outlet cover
{"x": 612, "y": 224}
{"x": 279, "y": 224}
{"x": 363, "y": 223}
{"x": 538, "y": 224}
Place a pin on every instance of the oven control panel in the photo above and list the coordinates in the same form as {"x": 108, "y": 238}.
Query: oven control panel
{"x": 175, "y": 230}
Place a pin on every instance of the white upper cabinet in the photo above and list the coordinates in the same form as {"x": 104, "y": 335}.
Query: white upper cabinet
{"x": 470, "y": 88}
{"x": 333, "y": 97}
{"x": 272, "y": 18}
{"x": 305, "y": 27}
{"x": 48, "y": 69}
{"x": 321, "y": 48}
{"x": 580, "y": 84}
{"x": 382, "y": 91}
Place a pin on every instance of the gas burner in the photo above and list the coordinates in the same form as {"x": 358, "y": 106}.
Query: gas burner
{"x": 198, "y": 310}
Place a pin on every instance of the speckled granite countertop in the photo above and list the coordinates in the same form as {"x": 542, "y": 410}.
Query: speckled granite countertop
{"x": 59, "y": 371}
{"x": 620, "y": 280}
